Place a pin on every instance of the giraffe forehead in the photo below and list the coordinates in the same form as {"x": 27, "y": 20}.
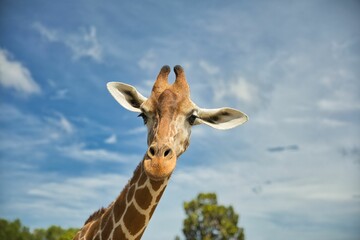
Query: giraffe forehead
{"x": 170, "y": 101}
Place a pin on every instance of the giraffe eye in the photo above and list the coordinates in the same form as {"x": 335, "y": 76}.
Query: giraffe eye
{"x": 144, "y": 117}
{"x": 192, "y": 119}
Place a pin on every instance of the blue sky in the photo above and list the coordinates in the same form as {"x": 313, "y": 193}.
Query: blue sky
{"x": 67, "y": 148}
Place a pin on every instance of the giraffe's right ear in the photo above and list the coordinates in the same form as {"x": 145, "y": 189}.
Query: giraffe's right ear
{"x": 126, "y": 95}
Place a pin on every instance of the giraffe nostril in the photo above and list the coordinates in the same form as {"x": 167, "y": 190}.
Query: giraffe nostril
{"x": 151, "y": 152}
{"x": 167, "y": 152}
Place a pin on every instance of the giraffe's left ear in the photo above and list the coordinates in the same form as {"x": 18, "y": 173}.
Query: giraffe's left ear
{"x": 126, "y": 95}
{"x": 221, "y": 118}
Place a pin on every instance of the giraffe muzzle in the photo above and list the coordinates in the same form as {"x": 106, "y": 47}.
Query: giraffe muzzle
{"x": 160, "y": 161}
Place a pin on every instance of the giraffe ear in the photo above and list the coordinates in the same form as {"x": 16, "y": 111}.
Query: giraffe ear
{"x": 221, "y": 118}
{"x": 126, "y": 95}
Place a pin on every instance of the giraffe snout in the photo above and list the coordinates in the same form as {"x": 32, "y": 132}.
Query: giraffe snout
{"x": 160, "y": 161}
{"x": 156, "y": 151}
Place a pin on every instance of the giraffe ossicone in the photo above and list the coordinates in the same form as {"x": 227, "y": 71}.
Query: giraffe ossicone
{"x": 169, "y": 114}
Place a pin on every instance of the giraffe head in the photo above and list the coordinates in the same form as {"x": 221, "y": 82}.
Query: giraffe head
{"x": 169, "y": 115}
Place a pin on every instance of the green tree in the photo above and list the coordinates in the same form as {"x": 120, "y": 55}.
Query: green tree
{"x": 54, "y": 233}
{"x": 16, "y": 231}
{"x": 68, "y": 234}
{"x": 207, "y": 220}
{"x": 39, "y": 234}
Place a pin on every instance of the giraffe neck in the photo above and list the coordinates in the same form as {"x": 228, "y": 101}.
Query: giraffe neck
{"x": 128, "y": 216}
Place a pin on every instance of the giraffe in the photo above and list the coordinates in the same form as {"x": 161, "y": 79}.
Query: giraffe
{"x": 169, "y": 114}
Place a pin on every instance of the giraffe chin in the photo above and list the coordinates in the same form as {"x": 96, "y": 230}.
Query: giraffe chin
{"x": 159, "y": 169}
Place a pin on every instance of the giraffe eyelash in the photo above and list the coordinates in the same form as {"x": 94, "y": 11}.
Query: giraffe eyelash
{"x": 144, "y": 117}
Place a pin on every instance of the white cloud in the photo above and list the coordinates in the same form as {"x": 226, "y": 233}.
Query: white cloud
{"x": 209, "y": 68}
{"x": 342, "y": 95}
{"x": 148, "y": 61}
{"x": 240, "y": 89}
{"x": 61, "y": 122}
{"x": 69, "y": 200}
{"x": 137, "y": 130}
{"x": 81, "y": 153}
{"x": 14, "y": 75}
{"x": 82, "y": 44}
{"x": 66, "y": 125}
{"x": 60, "y": 94}
{"x": 245, "y": 91}
{"x": 328, "y": 122}
{"x": 333, "y": 122}
{"x": 338, "y": 105}
{"x": 31, "y": 133}
{"x": 111, "y": 139}
{"x": 49, "y": 34}
{"x": 86, "y": 187}
{"x": 85, "y": 45}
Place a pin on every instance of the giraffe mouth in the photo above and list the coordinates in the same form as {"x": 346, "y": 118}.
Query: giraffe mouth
{"x": 159, "y": 168}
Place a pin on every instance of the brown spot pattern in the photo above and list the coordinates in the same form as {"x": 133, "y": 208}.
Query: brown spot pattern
{"x": 143, "y": 197}
{"x": 119, "y": 208}
{"x": 105, "y": 218}
{"x": 142, "y": 179}
{"x": 130, "y": 193}
{"x": 139, "y": 237}
{"x": 119, "y": 234}
{"x": 84, "y": 230}
{"x": 160, "y": 194}
{"x": 97, "y": 237}
{"x": 133, "y": 220}
{"x": 105, "y": 233}
{"x": 137, "y": 174}
{"x": 156, "y": 184}
{"x": 94, "y": 228}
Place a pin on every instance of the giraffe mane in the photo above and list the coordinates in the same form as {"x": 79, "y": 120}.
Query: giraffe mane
{"x": 97, "y": 214}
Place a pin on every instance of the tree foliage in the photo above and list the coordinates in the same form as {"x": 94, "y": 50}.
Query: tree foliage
{"x": 14, "y": 230}
{"x": 207, "y": 220}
